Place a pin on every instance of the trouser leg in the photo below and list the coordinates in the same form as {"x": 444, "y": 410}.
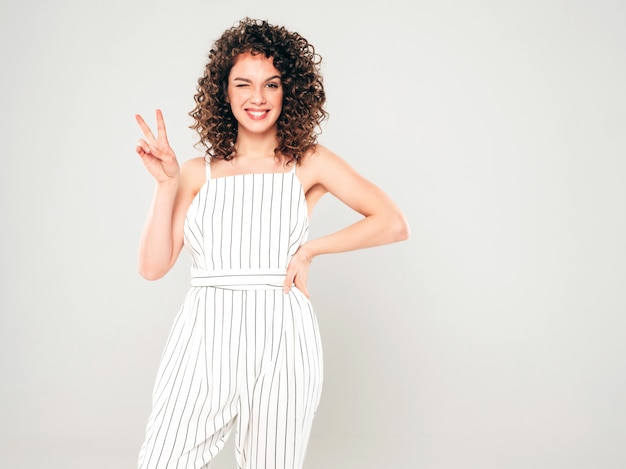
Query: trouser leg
{"x": 278, "y": 408}
{"x": 195, "y": 399}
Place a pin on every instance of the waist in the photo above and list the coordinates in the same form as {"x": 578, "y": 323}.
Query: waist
{"x": 239, "y": 279}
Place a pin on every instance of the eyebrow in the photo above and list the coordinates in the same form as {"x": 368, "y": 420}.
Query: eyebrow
{"x": 250, "y": 81}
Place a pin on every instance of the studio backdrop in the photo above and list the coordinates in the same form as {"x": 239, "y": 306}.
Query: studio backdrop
{"x": 493, "y": 338}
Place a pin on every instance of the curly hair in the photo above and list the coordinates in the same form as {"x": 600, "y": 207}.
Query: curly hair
{"x": 303, "y": 93}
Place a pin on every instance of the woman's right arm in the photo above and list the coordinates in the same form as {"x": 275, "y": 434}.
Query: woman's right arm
{"x": 162, "y": 237}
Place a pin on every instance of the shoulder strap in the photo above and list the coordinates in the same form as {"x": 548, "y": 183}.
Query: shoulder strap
{"x": 207, "y": 165}
{"x": 295, "y": 164}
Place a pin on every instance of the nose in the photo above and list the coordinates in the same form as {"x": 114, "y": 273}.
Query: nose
{"x": 258, "y": 96}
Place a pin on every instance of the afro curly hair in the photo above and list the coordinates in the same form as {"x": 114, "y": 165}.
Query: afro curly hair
{"x": 303, "y": 93}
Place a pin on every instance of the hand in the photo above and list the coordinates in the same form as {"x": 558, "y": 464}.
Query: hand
{"x": 156, "y": 153}
{"x": 298, "y": 271}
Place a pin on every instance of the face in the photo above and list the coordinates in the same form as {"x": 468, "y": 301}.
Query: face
{"x": 255, "y": 93}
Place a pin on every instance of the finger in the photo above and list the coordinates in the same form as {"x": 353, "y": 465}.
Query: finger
{"x": 145, "y": 129}
{"x": 161, "y": 132}
{"x": 148, "y": 148}
{"x": 289, "y": 278}
{"x": 301, "y": 285}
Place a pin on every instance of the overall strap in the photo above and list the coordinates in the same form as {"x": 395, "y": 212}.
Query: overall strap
{"x": 207, "y": 165}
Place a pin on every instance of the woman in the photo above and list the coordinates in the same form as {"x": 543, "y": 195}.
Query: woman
{"x": 244, "y": 351}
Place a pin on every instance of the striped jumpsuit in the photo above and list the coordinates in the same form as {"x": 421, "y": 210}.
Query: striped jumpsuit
{"x": 241, "y": 354}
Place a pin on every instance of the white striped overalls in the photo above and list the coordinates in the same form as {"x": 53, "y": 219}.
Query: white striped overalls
{"x": 241, "y": 353}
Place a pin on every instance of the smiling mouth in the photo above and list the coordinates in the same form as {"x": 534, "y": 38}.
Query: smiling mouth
{"x": 256, "y": 114}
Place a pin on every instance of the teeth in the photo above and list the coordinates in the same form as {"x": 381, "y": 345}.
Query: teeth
{"x": 257, "y": 113}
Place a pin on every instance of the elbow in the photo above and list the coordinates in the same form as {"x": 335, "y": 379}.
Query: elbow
{"x": 403, "y": 230}
{"x": 153, "y": 266}
{"x": 399, "y": 229}
{"x": 150, "y": 273}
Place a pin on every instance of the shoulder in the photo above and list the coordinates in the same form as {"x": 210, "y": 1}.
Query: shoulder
{"x": 320, "y": 164}
{"x": 317, "y": 155}
{"x": 193, "y": 174}
{"x": 321, "y": 170}
{"x": 194, "y": 164}
{"x": 319, "y": 160}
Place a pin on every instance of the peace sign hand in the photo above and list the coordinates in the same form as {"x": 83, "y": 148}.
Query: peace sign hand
{"x": 156, "y": 153}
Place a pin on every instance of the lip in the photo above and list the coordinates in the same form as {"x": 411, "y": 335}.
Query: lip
{"x": 257, "y": 114}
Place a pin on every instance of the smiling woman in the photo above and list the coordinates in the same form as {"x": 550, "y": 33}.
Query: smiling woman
{"x": 297, "y": 67}
{"x": 255, "y": 94}
{"x": 245, "y": 352}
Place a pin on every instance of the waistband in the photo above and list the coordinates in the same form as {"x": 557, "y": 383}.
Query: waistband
{"x": 255, "y": 279}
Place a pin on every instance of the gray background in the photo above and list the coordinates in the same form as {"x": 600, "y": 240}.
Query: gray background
{"x": 493, "y": 338}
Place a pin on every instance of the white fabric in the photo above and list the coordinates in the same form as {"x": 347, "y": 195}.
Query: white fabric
{"x": 241, "y": 354}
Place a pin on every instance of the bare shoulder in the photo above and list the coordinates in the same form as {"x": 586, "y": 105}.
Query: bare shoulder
{"x": 318, "y": 156}
{"x": 194, "y": 164}
{"x": 193, "y": 175}
{"x": 322, "y": 166}
{"x": 317, "y": 163}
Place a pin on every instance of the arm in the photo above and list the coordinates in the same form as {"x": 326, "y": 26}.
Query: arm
{"x": 382, "y": 223}
{"x": 162, "y": 236}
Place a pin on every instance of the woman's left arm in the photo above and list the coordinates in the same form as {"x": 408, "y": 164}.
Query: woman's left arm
{"x": 383, "y": 222}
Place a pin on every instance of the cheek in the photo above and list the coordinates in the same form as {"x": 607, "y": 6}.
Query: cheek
{"x": 278, "y": 101}
{"x": 232, "y": 94}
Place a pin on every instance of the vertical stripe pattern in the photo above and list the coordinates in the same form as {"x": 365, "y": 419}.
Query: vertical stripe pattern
{"x": 241, "y": 354}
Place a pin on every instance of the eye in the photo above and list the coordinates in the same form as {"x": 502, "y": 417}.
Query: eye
{"x": 273, "y": 85}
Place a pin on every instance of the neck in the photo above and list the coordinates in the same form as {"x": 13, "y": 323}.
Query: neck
{"x": 255, "y": 145}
